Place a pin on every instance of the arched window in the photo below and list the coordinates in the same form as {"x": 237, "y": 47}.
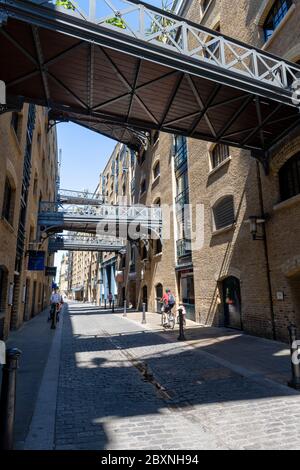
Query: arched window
{"x": 156, "y": 170}
{"x": 223, "y": 213}
{"x": 157, "y": 202}
{"x": 289, "y": 178}
{"x": 8, "y": 202}
{"x": 159, "y": 293}
{"x": 219, "y": 154}
{"x": 143, "y": 186}
{"x": 276, "y": 14}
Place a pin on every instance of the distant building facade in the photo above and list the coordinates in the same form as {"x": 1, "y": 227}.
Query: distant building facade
{"x": 232, "y": 280}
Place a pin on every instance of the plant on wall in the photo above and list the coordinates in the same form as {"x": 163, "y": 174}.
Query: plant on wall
{"x": 66, "y": 4}
{"x": 161, "y": 22}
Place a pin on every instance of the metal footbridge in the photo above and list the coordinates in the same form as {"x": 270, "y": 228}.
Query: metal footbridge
{"x": 128, "y": 222}
{"x": 67, "y": 196}
{"x": 85, "y": 242}
{"x": 124, "y": 67}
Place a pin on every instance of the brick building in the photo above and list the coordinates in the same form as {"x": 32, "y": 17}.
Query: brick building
{"x": 236, "y": 278}
{"x": 28, "y": 159}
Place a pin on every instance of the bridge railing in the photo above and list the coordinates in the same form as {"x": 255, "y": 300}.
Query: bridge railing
{"x": 106, "y": 212}
{"x": 155, "y": 26}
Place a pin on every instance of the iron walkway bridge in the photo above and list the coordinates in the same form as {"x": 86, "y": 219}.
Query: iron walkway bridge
{"x": 66, "y": 196}
{"x": 119, "y": 67}
{"x": 82, "y": 242}
{"x": 132, "y": 221}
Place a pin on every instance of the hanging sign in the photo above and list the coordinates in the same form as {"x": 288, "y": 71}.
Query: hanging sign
{"x": 36, "y": 261}
{"x": 50, "y": 271}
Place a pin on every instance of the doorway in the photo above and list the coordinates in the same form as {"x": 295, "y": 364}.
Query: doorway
{"x": 159, "y": 295}
{"x": 232, "y": 303}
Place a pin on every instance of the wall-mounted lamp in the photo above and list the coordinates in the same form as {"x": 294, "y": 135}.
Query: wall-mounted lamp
{"x": 254, "y": 221}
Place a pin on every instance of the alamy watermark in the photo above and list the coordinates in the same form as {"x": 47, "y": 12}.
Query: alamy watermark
{"x": 137, "y": 222}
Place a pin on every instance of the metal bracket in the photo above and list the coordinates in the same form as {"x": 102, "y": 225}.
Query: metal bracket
{"x": 12, "y": 105}
{"x": 263, "y": 156}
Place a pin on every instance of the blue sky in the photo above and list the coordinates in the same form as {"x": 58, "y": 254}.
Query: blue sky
{"x": 84, "y": 153}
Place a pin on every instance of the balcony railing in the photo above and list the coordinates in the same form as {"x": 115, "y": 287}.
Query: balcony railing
{"x": 180, "y": 157}
{"x": 132, "y": 186}
{"x": 184, "y": 248}
{"x": 182, "y": 199}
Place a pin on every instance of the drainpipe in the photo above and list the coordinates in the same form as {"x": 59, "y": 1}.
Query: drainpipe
{"x": 266, "y": 251}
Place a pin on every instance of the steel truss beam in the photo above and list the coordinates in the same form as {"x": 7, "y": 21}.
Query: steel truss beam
{"x": 202, "y": 77}
{"x": 85, "y": 243}
{"x": 54, "y": 218}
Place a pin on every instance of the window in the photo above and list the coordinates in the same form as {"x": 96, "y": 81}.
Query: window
{"x": 223, "y": 213}
{"x": 7, "y": 211}
{"x": 143, "y": 186}
{"x": 157, "y": 246}
{"x": 219, "y": 154}
{"x": 275, "y": 16}
{"x": 204, "y": 6}
{"x": 289, "y": 178}
{"x": 156, "y": 170}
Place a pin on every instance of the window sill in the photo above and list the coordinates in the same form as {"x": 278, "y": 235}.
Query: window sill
{"x": 293, "y": 201}
{"x": 215, "y": 170}
{"x": 7, "y": 224}
{"x": 223, "y": 230}
{"x": 279, "y": 27}
{"x": 157, "y": 255}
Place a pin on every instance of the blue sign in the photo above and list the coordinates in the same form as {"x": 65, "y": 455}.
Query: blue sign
{"x": 36, "y": 261}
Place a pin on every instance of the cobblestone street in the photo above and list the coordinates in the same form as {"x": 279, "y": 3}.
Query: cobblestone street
{"x": 121, "y": 386}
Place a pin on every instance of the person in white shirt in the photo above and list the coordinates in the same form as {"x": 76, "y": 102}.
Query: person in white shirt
{"x": 55, "y": 300}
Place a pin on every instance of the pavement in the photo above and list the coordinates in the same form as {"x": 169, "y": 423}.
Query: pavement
{"x": 112, "y": 383}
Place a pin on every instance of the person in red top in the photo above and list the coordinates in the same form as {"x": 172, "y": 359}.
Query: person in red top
{"x": 168, "y": 300}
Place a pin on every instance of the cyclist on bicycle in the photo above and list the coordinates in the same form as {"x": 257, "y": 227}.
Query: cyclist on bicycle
{"x": 56, "y": 300}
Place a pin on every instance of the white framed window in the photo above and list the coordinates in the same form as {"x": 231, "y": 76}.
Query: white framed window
{"x": 218, "y": 154}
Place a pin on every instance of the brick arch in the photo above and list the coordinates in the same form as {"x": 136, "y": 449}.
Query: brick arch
{"x": 263, "y": 12}
{"x": 286, "y": 152}
{"x": 228, "y": 272}
{"x": 226, "y": 191}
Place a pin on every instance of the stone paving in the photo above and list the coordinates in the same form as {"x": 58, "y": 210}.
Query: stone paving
{"x": 121, "y": 386}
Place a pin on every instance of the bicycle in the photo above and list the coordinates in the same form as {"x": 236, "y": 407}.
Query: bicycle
{"x": 54, "y": 315}
{"x": 168, "y": 319}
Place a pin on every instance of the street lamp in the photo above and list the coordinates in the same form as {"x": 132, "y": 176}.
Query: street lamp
{"x": 254, "y": 221}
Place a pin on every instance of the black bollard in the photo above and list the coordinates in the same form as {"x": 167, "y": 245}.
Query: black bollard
{"x": 181, "y": 336}
{"x": 144, "y": 315}
{"x": 295, "y": 358}
{"x": 105, "y": 304}
{"x": 125, "y": 309}
{"x": 8, "y": 398}
{"x": 113, "y": 306}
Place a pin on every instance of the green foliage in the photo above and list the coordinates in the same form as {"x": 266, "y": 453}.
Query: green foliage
{"x": 66, "y": 4}
{"x": 163, "y": 22}
{"x": 119, "y": 22}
